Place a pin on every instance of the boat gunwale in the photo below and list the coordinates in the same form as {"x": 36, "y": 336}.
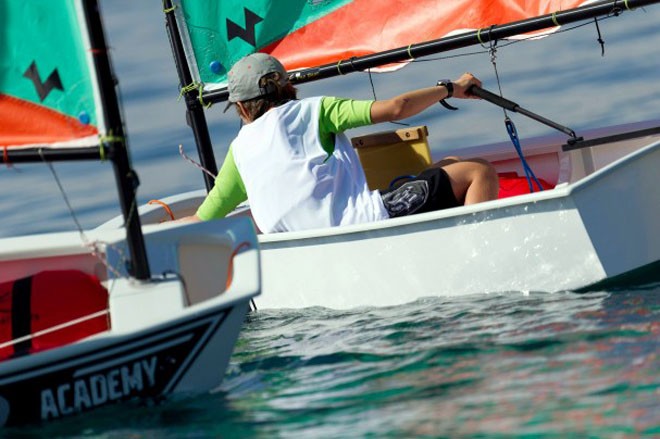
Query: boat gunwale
{"x": 564, "y": 190}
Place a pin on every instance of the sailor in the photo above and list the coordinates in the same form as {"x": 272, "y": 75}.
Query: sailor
{"x": 298, "y": 169}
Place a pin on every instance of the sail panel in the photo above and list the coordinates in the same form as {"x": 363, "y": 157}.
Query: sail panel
{"x": 48, "y": 95}
{"x": 221, "y": 33}
{"x": 310, "y": 33}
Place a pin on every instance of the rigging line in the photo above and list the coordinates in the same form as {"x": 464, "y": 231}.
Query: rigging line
{"x": 510, "y": 126}
{"x": 55, "y": 328}
{"x": 529, "y": 174}
{"x": 600, "y": 38}
{"x": 373, "y": 90}
{"x": 371, "y": 81}
{"x": 492, "y": 50}
{"x": 92, "y": 245}
{"x": 64, "y": 195}
{"x": 199, "y": 166}
{"x": 510, "y": 42}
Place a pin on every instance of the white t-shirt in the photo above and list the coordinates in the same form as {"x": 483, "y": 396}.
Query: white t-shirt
{"x": 291, "y": 181}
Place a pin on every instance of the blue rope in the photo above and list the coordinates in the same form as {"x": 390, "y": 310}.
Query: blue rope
{"x": 513, "y": 133}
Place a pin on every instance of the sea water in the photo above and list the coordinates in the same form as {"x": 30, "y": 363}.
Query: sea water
{"x": 512, "y": 364}
{"x": 507, "y": 365}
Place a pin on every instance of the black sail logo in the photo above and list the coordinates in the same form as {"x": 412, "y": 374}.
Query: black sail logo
{"x": 248, "y": 33}
{"x": 43, "y": 88}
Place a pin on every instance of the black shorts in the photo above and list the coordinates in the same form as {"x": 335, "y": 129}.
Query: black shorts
{"x": 429, "y": 191}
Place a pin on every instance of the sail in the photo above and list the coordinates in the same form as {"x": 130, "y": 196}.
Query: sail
{"x": 48, "y": 95}
{"x": 310, "y": 33}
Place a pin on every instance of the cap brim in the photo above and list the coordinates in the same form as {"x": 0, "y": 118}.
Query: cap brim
{"x": 229, "y": 104}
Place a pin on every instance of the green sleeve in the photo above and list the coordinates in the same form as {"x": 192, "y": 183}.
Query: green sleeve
{"x": 338, "y": 115}
{"x": 227, "y": 193}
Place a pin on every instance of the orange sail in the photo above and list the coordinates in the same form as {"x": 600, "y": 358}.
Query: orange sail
{"x": 308, "y": 34}
{"x": 346, "y": 33}
{"x": 25, "y": 123}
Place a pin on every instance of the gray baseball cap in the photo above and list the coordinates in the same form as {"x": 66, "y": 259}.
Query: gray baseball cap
{"x": 243, "y": 78}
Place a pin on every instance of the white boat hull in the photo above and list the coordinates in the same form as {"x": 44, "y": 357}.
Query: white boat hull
{"x": 171, "y": 335}
{"x": 567, "y": 238}
{"x": 599, "y": 222}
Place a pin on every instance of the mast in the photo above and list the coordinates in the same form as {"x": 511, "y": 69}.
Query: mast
{"x": 126, "y": 178}
{"x": 194, "y": 109}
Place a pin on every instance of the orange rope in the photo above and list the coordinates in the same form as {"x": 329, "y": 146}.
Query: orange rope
{"x": 230, "y": 269}
{"x": 165, "y": 206}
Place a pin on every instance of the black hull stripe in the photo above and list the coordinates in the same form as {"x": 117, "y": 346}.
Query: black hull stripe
{"x": 21, "y": 316}
{"x": 190, "y": 360}
{"x": 141, "y": 341}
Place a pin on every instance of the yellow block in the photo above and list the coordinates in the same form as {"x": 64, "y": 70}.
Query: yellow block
{"x": 387, "y": 155}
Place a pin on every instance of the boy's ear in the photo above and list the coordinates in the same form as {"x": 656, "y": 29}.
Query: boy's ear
{"x": 242, "y": 111}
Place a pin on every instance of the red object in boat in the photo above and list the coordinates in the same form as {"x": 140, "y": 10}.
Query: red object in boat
{"x": 511, "y": 184}
{"x": 45, "y": 300}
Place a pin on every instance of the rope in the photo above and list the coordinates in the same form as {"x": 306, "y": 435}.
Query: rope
{"x": 554, "y": 19}
{"x": 109, "y": 138}
{"x": 200, "y": 97}
{"x": 92, "y": 245}
{"x": 529, "y": 174}
{"x": 338, "y": 69}
{"x": 64, "y": 195}
{"x": 102, "y": 153}
{"x": 199, "y": 166}
{"x": 373, "y": 91}
{"x": 479, "y": 38}
{"x": 490, "y": 39}
{"x": 510, "y": 127}
{"x": 55, "y": 328}
{"x": 166, "y": 9}
{"x": 600, "y": 38}
{"x": 200, "y": 93}
{"x": 165, "y": 206}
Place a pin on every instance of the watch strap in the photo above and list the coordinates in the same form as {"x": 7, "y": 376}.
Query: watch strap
{"x": 446, "y": 83}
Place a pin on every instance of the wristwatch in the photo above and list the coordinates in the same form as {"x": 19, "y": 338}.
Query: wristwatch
{"x": 446, "y": 83}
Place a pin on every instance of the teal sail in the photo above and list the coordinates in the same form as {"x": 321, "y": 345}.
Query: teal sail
{"x": 220, "y": 33}
{"x": 48, "y": 92}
